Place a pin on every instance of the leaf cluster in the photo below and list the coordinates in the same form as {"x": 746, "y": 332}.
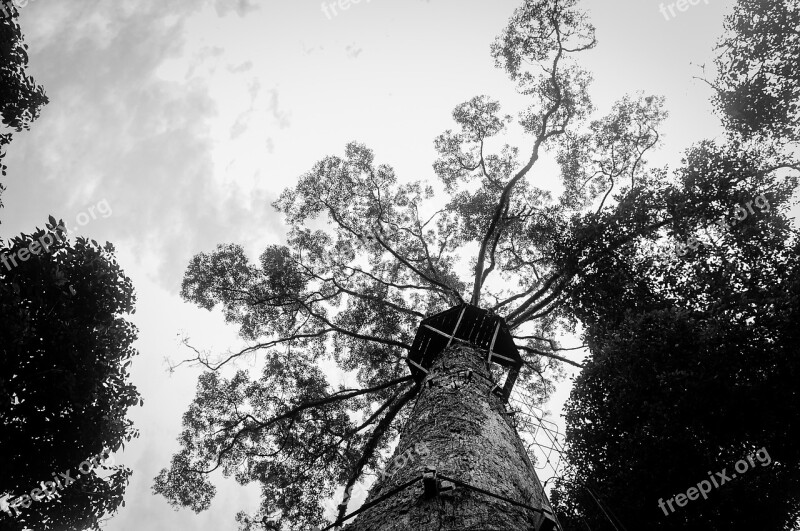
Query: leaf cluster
{"x": 66, "y": 349}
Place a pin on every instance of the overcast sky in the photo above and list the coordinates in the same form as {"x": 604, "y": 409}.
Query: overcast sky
{"x": 189, "y": 117}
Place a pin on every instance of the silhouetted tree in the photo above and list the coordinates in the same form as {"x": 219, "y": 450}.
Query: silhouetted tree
{"x": 694, "y": 362}
{"x": 758, "y": 82}
{"x": 65, "y": 349}
{"x": 21, "y": 99}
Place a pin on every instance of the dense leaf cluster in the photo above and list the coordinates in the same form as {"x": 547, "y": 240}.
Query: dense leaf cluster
{"x": 21, "y": 98}
{"x": 65, "y": 349}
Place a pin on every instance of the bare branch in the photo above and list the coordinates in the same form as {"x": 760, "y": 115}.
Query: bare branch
{"x": 553, "y": 344}
{"x": 251, "y": 348}
{"x": 390, "y": 342}
{"x": 259, "y": 425}
{"x": 392, "y": 284}
{"x": 422, "y": 275}
{"x": 533, "y": 298}
{"x": 504, "y": 197}
{"x": 550, "y": 355}
{"x": 372, "y": 443}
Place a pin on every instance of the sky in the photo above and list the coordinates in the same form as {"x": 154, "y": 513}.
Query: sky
{"x": 189, "y": 117}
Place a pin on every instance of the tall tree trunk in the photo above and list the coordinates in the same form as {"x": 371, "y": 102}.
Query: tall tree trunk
{"x": 460, "y": 427}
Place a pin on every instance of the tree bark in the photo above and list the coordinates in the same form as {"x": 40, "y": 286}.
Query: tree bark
{"x": 459, "y": 426}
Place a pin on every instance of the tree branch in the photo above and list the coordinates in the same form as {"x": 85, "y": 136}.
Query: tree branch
{"x": 422, "y": 275}
{"x": 550, "y": 355}
{"x": 504, "y": 197}
{"x": 258, "y": 425}
{"x": 372, "y": 443}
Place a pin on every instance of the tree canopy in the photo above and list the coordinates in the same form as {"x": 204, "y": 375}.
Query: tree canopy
{"x": 65, "y": 347}
{"x": 693, "y": 363}
{"x": 757, "y": 81}
{"x": 21, "y": 98}
{"x": 368, "y": 255}
{"x": 692, "y": 368}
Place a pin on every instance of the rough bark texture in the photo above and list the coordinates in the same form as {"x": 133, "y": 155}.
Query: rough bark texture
{"x": 467, "y": 435}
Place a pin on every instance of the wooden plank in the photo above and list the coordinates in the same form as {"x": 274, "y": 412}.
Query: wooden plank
{"x": 458, "y": 323}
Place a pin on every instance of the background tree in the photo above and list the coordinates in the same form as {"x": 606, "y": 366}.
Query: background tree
{"x": 368, "y": 256}
{"x": 758, "y": 83}
{"x": 694, "y": 361}
{"x": 21, "y": 99}
{"x": 692, "y": 368}
{"x": 65, "y": 349}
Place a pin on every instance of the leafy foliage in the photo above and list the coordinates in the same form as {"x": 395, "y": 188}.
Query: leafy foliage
{"x": 65, "y": 349}
{"x": 692, "y": 358}
{"x": 758, "y": 84}
{"x": 693, "y": 362}
{"x": 21, "y": 99}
